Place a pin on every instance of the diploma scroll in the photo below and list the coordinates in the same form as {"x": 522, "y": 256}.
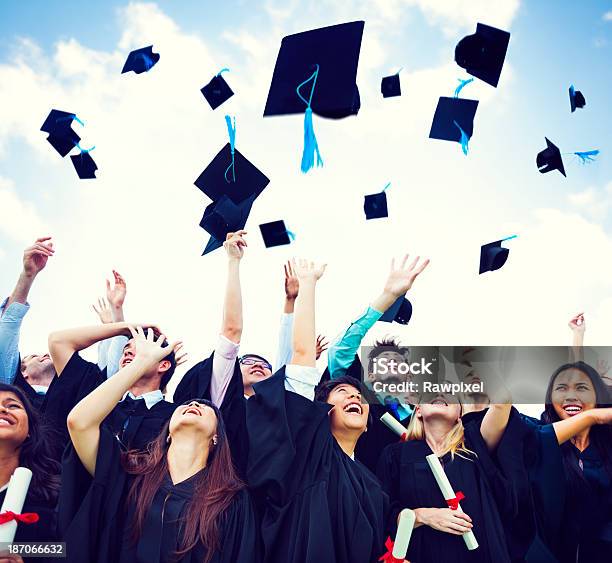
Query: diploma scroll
{"x": 449, "y": 495}
{"x": 394, "y": 425}
{"x": 404, "y": 531}
{"x": 13, "y": 501}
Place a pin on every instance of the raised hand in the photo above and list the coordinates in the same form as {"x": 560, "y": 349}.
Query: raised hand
{"x": 180, "y": 355}
{"x": 149, "y": 348}
{"x": 306, "y": 270}
{"x": 116, "y": 294}
{"x": 321, "y": 345}
{"x": 577, "y": 323}
{"x": 35, "y": 257}
{"x": 235, "y": 244}
{"x": 292, "y": 284}
{"x": 400, "y": 279}
{"x": 603, "y": 367}
{"x": 103, "y": 311}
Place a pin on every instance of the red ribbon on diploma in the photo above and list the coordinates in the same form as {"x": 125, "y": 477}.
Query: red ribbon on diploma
{"x": 453, "y": 503}
{"x": 404, "y": 437}
{"x": 25, "y": 518}
{"x": 388, "y": 557}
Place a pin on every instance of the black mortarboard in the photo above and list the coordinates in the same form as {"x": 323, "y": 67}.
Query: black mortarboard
{"x": 482, "y": 54}
{"x": 400, "y": 312}
{"x": 59, "y": 126}
{"x": 576, "y": 99}
{"x": 375, "y": 205}
{"x": 493, "y": 256}
{"x": 217, "y": 91}
{"x": 84, "y": 165}
{"x": 141, "y": 60}
{"x": 275, "y": 234}
{"x": 249, "y": 180}
{"x": 452, "y": 114}
{"x": 390, "y": 86}
{"x": 550, "y": 159}
{"x": 335, "y": 49}
{"x": 226, "y": 220}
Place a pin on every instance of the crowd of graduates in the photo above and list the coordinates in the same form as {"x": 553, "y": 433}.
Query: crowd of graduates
{"x": 251, "y": 461}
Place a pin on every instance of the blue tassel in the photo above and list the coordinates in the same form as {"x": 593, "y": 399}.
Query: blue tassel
{"x": 385, "y": 188}
{"x": 291, "y": 235}
{"x": 231, "y": 129}
{"x": 84, "y": 150}
{"x": 464, "y": 139}
{"x": 310, "y": 144}
{"x": 462, "y": 85}
{"x": 147, "y": 61}
{"x": 225, "y": 69}
{"x": 587, "y": 156}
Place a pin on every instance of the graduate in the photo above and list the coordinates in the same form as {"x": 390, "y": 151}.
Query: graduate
{"x": 179, "y": 501}
{"x": 319, "y": 503}
{"x": 25, "y": 442}
{"x": 139, "y": 414}
{"x": 569, "y": 457}
{"x": 465, "y": 448}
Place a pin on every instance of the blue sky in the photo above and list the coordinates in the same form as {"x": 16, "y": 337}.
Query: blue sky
{"x": 154, "y": 135}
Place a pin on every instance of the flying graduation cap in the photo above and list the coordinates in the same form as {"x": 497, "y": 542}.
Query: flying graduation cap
{"x": 483, "y": 54}
{"x": 217, "y": 91}
{"x": 375, "y": 205}
{"x": 59, "y": 126}
{"x": 223, "y": 218}
{"x": 493, "y": 256}
{"x": 84, "y": 165}
{"x": 454, "y": 121}
{"x": 141, "y": 60}
{"x": 550, "y": 159}
{"x": 275, "y": 233}
{"x": 400, "y": 312}
{"x": 316, "y": 72}
{"x": 390, "y": 86}
{"x": 576, "y": 99}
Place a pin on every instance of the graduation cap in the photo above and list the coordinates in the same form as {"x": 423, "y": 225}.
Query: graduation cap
{"x": 390, "y": 86}
{"x": 84, "y": 165}
{"x": 400, "y": 312}
{"x": 454, "y": 120}
{"x": 336, "y": 50}
{"x": 59, "y": 126}
{"x": 214, "y": 182}
{"x": 493, "y": 256}
{"x": 275, "y": 234}
{"x": 223, "y": 218}
{"x": 576, "y": 99}
{"x": 217, "y": 90}
{"x": 141, "y": 60}
{"x": 550, "y": 159}
{"x": 375, "y": 205}
{"x": 482, "y": 54}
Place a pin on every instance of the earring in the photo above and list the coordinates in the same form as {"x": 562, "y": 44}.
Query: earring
{"x": 214, "y": 440}
{"x": 168, "y": 439}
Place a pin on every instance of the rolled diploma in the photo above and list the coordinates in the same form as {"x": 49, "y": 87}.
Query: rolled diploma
{"x": 13, "y": 501}
{"x": 393, "y": 424}
{"x": 404, "y": 531}
{"x": 447, "y": 491}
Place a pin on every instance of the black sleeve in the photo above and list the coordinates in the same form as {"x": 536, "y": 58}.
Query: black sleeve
{"x": 241, "y": 542}
{"x": 195, "y": 383}
{"x": 388, "y": 471}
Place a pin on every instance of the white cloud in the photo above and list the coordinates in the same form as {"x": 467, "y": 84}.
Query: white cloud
{"x": 594, "y": 203}
{"x": 20, "y": 219}
{"x": 607, "y": 17}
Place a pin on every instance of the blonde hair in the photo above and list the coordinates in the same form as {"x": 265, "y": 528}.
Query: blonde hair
{"x": 454, "y": 442}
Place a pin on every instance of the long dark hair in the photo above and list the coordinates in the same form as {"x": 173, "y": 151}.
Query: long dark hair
{"x": 214, "y": 492}
{"x": 37, "y": 452}
{"x": 600, "y": 435}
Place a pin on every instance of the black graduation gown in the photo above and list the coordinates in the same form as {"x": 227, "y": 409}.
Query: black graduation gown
{"x": 196, "y": 383}
{"x": 320, "y": 505}
{"x": 407, "y": 478}
{"x": 94, "y": 518}
{"x": 45, "y": 530}
{"x": 574, "y": 523}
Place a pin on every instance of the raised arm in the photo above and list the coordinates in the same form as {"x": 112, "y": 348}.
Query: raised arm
{"x": 342, "y": 352}
{"x": 570, "y": 427}
{"x": 64, "y": 343}
{"x": 85, "y": 418}
{"x": 577, "y": 326}
{"x": 232, "y": 306}
{"x": 285, "y": 345}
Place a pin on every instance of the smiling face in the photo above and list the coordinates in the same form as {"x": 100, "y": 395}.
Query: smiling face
{"x": 349, "y": 413}
{"x": 38, "y": 369}
{"x": 14, "y": 425}
{"x": 194, "y": 417}
{"x": 254, "y": 369}
{"x": 439, "y": 406}
{"x": 572, "y": 393}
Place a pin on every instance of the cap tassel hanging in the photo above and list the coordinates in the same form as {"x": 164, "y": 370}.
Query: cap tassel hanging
{"x": 586, "y": 156}
{"x": 310, "y": 141}
{"x": 464, "y": 137}
{"x": 231, "y": 129}
{"x": 462, "y": 85}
